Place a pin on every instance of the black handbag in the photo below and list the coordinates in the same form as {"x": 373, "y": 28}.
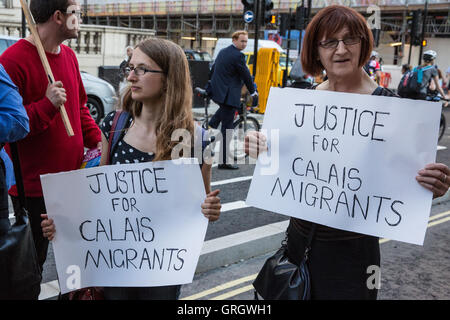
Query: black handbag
{"x": 280, "y": 279}
{"x": 20, "y": 274}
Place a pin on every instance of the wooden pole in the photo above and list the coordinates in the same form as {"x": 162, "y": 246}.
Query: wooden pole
{"x": 42, "y": 55}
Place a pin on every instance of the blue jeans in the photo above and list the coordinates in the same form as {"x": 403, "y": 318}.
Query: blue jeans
{"x": 142, "y": 293}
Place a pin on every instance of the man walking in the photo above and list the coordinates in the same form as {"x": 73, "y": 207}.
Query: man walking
{"x": 48, "y": 148}
{"x": 122, "y": 69}
{"x": 229, "y": 73}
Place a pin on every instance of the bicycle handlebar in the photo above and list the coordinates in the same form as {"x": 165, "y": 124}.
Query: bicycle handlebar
{"x": 201, "y": 92}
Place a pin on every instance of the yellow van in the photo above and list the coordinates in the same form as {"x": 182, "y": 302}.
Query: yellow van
{"x": 281, "y": 67}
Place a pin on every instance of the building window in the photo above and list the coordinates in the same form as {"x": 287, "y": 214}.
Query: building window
{"x": 6, "y": 4}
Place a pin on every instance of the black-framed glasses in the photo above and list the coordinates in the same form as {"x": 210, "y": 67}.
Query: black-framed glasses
{"x": 77, "y": 13}
{"x": 140, "y": 71}
{"x": 333, "y": 43}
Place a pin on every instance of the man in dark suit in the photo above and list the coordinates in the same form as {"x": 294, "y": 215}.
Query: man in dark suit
{"x": 229, "y": 73}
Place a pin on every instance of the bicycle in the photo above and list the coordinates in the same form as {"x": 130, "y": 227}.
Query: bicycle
{"x": 241, "y": 125}
{"x": 443, "y": 121}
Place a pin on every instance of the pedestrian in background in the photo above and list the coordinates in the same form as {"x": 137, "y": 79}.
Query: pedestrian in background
{"x": 48, "y": 148}
{"x": 447, "y": 80}
{"x": 228, "y": 75}
{"x": 373, "y": 67}
{"x": 122, "y": 69}
{"x": 338, "y": 40}
{"x": 406, "y": 68}
{"x": 159, "y": 101}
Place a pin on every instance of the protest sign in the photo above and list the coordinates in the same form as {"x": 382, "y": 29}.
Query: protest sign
{"x": 132, "y": 225}
{"x": 348, "y": 161}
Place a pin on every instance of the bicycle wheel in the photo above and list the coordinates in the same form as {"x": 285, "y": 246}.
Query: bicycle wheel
{"x": 442, "y": 125}
{"x": 237, "y": 144}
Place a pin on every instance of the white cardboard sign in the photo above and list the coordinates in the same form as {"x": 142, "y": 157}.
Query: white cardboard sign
{"x": 348, "y": 161}
{"x": 132, "y": 225}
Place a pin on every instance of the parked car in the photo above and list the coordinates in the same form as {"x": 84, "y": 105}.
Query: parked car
{"x": 193, "y": 54}
{"x": 205, "y": 56}
{"x": 6, "y": 41}
{"x": 197, "y": 55}
{"x": 101, "y": 95}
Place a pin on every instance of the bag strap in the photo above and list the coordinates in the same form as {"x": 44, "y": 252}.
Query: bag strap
{"x": 309, "y": 241}
{"x": 18, "y": 175}
{"x": 111, "y": 133}
{"x": 120, "y": 122}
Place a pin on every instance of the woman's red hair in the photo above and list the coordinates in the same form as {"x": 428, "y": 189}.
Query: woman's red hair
{"x": 326, "y": 23}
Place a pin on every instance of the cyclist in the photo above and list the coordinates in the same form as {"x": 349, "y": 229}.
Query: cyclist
{"x": 430, "y": 75}
{"x": 373, "y": 67}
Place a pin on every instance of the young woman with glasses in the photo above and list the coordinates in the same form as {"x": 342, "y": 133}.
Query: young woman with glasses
{"x": 159, "y": 100}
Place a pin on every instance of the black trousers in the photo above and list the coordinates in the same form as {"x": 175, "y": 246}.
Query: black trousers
{"x": 35, "y": 207}
{"x": 338, "y": 269}
{"x": 4, "y": 211}
{"x": 224, "y": 114}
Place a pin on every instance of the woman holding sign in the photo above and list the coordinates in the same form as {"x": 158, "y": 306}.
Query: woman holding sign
{"x": 158, "y": 104}
{"x": 341, "y": 263}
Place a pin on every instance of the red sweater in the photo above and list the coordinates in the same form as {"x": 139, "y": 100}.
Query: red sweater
{"x": 48, "y": 148}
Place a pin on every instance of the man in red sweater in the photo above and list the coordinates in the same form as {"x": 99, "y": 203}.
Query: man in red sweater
{"x": 48, "y": 148}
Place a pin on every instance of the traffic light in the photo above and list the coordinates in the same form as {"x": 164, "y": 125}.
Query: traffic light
{"x": 267, "y": 11}
{"x": 284, "y": 23}
{"x": 273, "y": 19}
{"x": 300, "y": 15}
{"x": 248, "y": 5}
{"x": 297, "y": 21}
{"x": 424, "y": 43}
{"x": 376, "y": 37}
{"x": 415, "y": 28}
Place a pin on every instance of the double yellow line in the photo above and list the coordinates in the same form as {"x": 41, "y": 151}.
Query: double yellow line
{"x": 434, "y": 220}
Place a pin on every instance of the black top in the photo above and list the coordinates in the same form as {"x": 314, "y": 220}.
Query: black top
{"x": 229, "y": 73}
{"x": 124, "y": 153}
{"x": 325, "y": 233}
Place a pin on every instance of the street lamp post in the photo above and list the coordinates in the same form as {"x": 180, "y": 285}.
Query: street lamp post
{"x": 85, "y": 19}
{"x": 423, "y": 30}
{"x": 24, "y": 26}
{"x": 255, "y": 49}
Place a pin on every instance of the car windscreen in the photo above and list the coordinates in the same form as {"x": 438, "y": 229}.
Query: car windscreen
{"x": 3, "y": 45}
{"x": 206, "y": 56}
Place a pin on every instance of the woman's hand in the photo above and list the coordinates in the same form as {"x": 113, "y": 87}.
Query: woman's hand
{"x": 436, "y": 178}
{"x": 211, "y": 206}
{"x": 255, "y": 143}
{"x": 48, "y": 227}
